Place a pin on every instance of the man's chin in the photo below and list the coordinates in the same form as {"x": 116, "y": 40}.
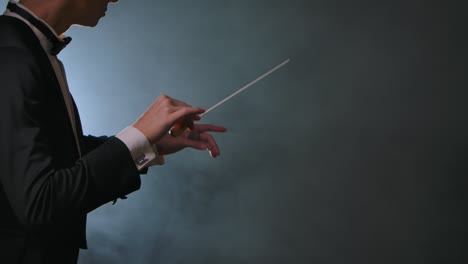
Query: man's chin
{"x": 90, "y": 23}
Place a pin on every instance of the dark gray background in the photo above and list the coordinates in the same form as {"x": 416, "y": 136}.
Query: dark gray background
{"x": 356, "y": 152}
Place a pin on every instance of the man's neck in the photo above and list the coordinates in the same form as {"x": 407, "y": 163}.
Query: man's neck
{"x": 53, "y": 12}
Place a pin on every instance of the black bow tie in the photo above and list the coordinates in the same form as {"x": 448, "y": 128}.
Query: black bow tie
{"x": 57, "y": 43}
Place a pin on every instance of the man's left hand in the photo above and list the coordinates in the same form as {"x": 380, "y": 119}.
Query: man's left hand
{"x": 198, "y": 138}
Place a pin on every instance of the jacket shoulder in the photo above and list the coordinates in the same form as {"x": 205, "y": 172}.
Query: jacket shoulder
{"x": 16, "y": 33}
{"x": 20, "y": 50}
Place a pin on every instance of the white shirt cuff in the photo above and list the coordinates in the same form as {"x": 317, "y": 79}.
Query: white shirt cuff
{"x": 143, "y": 153}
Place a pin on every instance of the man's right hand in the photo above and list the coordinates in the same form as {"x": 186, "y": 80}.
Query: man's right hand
{"x": 163, "y": 113}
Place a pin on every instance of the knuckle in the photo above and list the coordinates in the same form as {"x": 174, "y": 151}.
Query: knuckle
{"x": 164, "y": 99}
{"x": 160, "y": 97}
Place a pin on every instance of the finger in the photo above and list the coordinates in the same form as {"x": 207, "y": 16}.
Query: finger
{"x": 185, "y": 122}
{"x": 180, "y": 117}
{"x": 185, "y": 112}
{"x": 196, "y": 117}
{"x": 193, "y": 135}
{"x": 212, "y": 145}
{"x": 182, "y": 125}
{"x": 209, "y": 128}
{"x": 189, "y": 124}
{"x": 195, "y": 144}
{"x": 178, "y": 130}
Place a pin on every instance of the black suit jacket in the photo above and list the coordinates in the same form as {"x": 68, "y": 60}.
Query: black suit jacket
{"x": 46, "y": 190}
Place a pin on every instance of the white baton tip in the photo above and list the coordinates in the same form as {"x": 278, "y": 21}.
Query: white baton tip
{"x": 246, "y": 86}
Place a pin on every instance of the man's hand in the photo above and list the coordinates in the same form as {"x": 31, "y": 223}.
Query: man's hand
{"x": 197, "y": 138}
{"x": 162, "y": 115}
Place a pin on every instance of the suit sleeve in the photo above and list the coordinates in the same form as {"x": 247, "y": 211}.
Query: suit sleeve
{"x": 39, "y": 193}
{"x": 90, "y": 142}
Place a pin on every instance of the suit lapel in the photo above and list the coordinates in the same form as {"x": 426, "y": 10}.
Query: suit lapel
{"x": 28, "y": 40}
{"x": 58, "y": 96}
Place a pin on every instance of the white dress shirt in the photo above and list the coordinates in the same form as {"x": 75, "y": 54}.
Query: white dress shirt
{"x": 143, "y": 153}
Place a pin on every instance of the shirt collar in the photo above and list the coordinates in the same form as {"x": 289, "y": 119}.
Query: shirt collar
{"x": 46, "y": 44}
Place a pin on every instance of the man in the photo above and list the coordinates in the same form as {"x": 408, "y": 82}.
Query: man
{"x": 51, "y": 175}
